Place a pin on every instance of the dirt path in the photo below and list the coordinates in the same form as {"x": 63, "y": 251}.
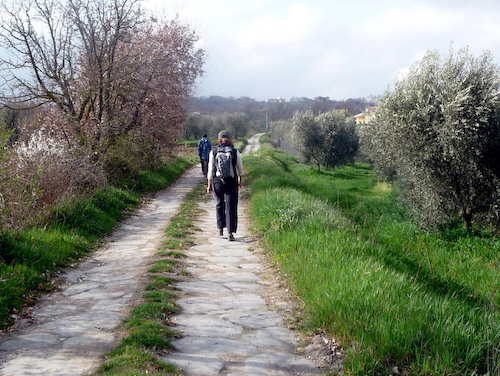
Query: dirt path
{"x": 253, "y": 144}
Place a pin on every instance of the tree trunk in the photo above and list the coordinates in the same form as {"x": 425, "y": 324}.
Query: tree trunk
{"x": 467, "y": 216}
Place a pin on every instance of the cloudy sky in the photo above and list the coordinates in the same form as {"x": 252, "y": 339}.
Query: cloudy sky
{"x": 334, "y": 48}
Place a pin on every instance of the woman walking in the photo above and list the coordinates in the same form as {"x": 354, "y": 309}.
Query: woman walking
{"x": 225, "y": 169}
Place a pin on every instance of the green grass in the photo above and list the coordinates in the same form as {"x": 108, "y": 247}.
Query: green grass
{"x": 181, "y": 228}
{"x": 146, "y": 333}
{"x": 153, "y": 181}
{"x": 147, "y": 326}
{"x": 164, "y": 266}
{"x": 127, "y": 360}
{"x": 29, "y": 258}
{"x": 393, "y": 294}
{"x": 94, "y": 217}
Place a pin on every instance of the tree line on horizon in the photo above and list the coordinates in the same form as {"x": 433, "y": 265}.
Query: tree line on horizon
{"x": 210, "y": 114}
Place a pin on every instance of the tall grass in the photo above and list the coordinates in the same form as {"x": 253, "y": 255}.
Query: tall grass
{"x": 394, "y": 294}
{"x": 28, "y": 258}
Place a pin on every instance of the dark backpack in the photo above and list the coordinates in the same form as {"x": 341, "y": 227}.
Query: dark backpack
{"x": 225, "y": 161}
{"x": 204, "y": 148}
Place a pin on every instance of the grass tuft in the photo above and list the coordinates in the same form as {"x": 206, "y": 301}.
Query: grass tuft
{"x": 129, "y": 360}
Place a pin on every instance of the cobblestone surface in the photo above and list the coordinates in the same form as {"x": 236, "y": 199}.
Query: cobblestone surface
{"x": 228, "y": 327}
{"x": 75, "y": 326}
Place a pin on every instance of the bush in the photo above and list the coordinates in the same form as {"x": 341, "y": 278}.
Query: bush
{"x": 38, "y": 174}
{"x": 129, "y": 155}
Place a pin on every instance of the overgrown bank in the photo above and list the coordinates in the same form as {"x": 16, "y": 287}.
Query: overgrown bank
{"x": 29, "y": 258}
{"x": 396, "y": 296}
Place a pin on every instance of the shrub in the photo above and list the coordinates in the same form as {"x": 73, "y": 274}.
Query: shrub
{"x": 327, "y": 140}
{"x": 39, "y": 173}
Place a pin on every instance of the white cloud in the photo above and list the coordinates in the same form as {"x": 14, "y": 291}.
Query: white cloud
{"x": 265, "y": 48}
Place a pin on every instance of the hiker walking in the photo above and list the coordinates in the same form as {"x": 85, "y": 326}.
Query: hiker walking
{"x": 225, "y": 169}
{"x": 204, "y": 148}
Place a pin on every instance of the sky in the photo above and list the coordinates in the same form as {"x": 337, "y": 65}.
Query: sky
{"x": 340, "y": 49}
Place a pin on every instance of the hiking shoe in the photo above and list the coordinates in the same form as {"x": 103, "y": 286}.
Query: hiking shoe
{"x": 221, "y": 232}
{"x": 231, "y": 237}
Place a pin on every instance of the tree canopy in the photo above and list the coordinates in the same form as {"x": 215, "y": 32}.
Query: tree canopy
{"x": 439, "y": 130}
{"x": 329, "y": 139}
{"x": 104, "y": 63}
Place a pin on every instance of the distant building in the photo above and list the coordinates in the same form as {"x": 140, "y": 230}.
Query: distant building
{"x": 365, "y": 117}
{"x": 277, "y": 100}
{"x": 322, "y": 99}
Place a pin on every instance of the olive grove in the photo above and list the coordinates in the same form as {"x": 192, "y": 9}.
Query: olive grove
{"x": 438, "y": 130}
{"x": 237, "y": 123}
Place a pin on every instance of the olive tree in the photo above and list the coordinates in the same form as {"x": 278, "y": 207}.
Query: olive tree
{"x": 327, "y": 140}
{"x": 340, "y": 139}
{"x": 439, "y": 130}
{"x": 281, "y": 129}
{"x": 308, "y": 138}
{"x": 236, "y": 123}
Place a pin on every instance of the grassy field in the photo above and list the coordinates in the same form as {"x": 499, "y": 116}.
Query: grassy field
{"x": 393, "y": 294}
{"x": 28, "y": 259}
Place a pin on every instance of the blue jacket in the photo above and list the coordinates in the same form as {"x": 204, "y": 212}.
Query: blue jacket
{"x": 204, "y": 148}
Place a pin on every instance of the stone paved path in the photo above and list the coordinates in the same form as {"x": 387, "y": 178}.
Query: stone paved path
{"x": 76, "y": 326}
{"x": 228, "y": 327}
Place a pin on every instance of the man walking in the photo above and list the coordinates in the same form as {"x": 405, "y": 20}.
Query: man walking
{"x": 204, "y": 149}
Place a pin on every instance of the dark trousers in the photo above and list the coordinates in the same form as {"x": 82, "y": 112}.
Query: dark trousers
{"x": 204, "y": 166}
{"x": 227, "y": 203}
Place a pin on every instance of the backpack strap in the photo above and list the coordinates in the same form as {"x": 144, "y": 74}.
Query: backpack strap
{"x": 235, "y": 155}
{"x": 214, "y": 162}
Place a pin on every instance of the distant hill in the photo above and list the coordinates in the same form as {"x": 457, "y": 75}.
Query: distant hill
{"x": 276, "y": 109}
